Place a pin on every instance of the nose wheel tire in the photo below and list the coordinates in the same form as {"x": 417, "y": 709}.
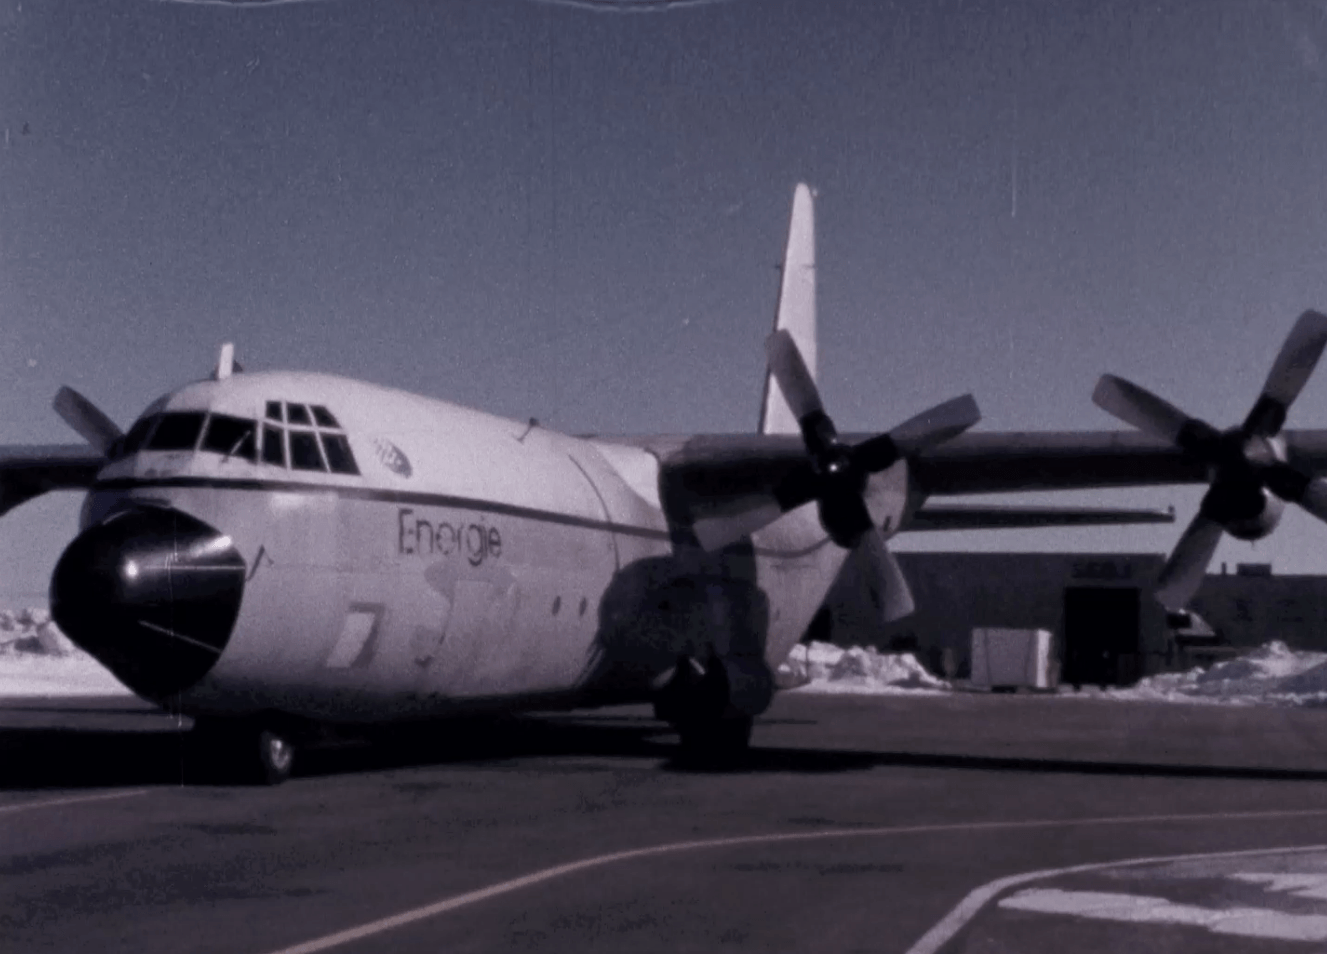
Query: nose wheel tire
{"x": 232, "y": 751}
{"x": 276, "y": 757}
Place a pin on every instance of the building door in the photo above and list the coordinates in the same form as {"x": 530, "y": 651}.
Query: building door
{"x": 1102, "y": 638}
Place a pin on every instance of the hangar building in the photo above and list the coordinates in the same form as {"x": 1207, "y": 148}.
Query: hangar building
{"x": 1106, "y": 626}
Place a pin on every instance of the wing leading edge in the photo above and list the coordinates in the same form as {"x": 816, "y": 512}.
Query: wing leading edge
{"x": 30, "y": 470}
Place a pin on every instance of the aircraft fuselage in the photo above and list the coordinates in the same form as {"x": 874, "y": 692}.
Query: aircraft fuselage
{"x": 458, "y": 560}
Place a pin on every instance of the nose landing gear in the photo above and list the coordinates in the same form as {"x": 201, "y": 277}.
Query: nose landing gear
{"x": 712, "y": 708}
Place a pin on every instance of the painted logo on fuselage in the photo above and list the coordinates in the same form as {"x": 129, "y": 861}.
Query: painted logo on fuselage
{"x": 421, "y": 536}
{"x": 392, "y": 457}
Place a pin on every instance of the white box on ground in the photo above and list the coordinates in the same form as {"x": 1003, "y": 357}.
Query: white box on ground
{"x": 1011, "y": 657}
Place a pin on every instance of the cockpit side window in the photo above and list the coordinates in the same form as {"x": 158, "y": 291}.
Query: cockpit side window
{"x": 304, "y": 454}
{"x": 177, "y": 431}
{"x": 339, "y": 458}
{"x": 313, "y": 437}
{"x": 232, "y": 436}
{"x": 274, "y": 448}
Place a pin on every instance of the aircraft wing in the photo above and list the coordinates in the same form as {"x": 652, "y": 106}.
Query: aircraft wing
{"x": 997, "y": 517}
{"x": 995, "y": 462}
{"x": 710, "y": 473}
{"x": 29, "y": 470}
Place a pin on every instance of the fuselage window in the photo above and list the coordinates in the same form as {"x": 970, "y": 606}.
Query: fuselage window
{"x": 324, "y": 417}
{"x": 274, "y": 448}
{"x": 273, "y": 410}
{"x": 297, "y": 414}
{"x": 177, "y": 431}
{"x": 136, "y": 436}
{"x": 232, "y": 436}
{"x": 304, "y": 451}
{"x": 339, "y": 458}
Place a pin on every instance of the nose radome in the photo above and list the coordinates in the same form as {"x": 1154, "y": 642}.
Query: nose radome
{"x": 153, "y": 594}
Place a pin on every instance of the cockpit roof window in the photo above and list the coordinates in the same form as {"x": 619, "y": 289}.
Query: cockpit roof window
{"x": 178, "y": 430}
{"x": 232, "y": 436}
{"x": 273, "y": 410}
{"x": 324, "y": 417}
{"x": 297, "y": 414}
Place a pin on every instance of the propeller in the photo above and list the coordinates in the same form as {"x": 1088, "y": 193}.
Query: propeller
{"x": 835, "y": 474}
{"x": 87, "y": 419}
{"x": 1250, "y": 474}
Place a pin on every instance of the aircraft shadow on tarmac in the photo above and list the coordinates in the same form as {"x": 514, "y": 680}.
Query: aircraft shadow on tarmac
{"x": 43, "y": 758}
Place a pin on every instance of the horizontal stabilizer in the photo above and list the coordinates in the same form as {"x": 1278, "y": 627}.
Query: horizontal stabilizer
{"x": 987, "y": 517}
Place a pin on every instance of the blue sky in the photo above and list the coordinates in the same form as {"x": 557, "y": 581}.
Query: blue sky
{"x": 543, "y": 209}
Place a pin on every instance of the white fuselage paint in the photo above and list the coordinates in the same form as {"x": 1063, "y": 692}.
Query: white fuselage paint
{"x": 508, "y": 564}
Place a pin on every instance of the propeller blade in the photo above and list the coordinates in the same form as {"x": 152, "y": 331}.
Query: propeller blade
{"x": 1139, "y": 407}
{"x": 1314, "y": 498}
{"x": 933, "y": 426}
{"x": 1290, "y": 483}
{"x": 937, "y": 425}
{"x": 86, "y": 418}
{"x": 895, "y": 596}
{"x": 1299, "y": 356}
{"x": 715, "y": 533}
{"x": 1187, "y": 565}
{"x": 790, "y": 371}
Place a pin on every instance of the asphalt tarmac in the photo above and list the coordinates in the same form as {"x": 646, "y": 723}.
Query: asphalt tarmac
{"x": 856, "y": 824}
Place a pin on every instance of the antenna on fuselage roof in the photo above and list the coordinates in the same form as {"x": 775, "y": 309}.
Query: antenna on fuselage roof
{"x": 226, "y": 363}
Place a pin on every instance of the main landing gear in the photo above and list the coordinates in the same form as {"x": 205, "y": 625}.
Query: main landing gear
{"x": 243, "y": 751}
{"x": 712, "y": 707}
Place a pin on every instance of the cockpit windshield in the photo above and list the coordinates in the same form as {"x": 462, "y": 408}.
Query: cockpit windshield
{"x": 176, "y": 431}
{"x": 297, "y": 436}
{"x": 232, "y": 436}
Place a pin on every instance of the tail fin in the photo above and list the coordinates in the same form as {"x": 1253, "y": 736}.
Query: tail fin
{"x": 797, "y": 308}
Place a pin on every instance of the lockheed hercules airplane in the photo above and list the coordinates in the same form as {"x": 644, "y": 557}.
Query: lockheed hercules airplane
{"x": 276, "y": 552}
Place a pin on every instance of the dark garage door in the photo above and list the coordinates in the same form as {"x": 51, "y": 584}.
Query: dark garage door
{"x": 1101, "y": 635}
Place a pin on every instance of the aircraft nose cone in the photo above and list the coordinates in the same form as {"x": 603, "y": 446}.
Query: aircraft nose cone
{"x": 153, "y": 594}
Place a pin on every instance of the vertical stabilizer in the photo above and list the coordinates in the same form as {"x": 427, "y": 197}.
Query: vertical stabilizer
{"x": 797, "y": 309}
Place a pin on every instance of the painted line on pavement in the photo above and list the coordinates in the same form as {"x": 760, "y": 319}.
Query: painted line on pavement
{"x": 455, "y": 902}
{"x": 72, "y": 800}
{"x": 971, "y": 906}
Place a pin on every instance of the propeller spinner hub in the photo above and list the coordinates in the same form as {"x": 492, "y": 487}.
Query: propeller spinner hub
{"x": 1262, "y": 452}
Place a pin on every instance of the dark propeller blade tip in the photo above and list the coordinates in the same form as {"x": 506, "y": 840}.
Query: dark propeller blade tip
{"x": 1297, "y": 358}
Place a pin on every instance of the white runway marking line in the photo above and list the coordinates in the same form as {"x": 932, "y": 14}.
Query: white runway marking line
{"x": 72, "y": 800}
{"x": 1145, "y": 909}
{"x": 383, "y": 925}
{"x": 957, "y": 919}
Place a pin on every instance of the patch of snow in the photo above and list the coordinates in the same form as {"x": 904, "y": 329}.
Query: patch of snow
{"x": 1271, "y": 675}
{"x": 862, "y": 670}
{"x": 36, "y": 659}
{"x": 24, "y": 675}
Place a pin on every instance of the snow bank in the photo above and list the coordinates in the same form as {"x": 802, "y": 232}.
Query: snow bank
{"x": 826, "y": 668}
{"x": 36, "y": 659}
{"x": 1271, "y": 675}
